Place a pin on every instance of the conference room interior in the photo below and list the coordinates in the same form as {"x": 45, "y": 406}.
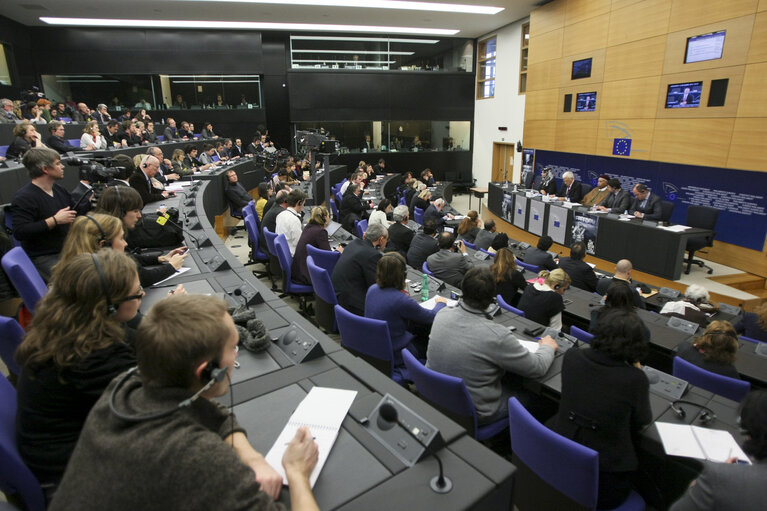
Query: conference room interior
{"x": 428, "y": 106}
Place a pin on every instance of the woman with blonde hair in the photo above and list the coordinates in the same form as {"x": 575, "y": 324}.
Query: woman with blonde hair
{"x": 715, "y": 350}
{"x": 543, "y": 302}
{"x": 508, "y": 279}
{"x": 177, "y": 162}
{"x": 74, "y": 348}
{"x": 469, "y": 227}
{"x": 92, "y": 139}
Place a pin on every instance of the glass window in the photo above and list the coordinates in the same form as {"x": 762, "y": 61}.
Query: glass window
{"x": 486, "y": 59}
{"x": 211, "y": 91}
{"x": 5, "y": 73}
{"x": 523, "y": 58}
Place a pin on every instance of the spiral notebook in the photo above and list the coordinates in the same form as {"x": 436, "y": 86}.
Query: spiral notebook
{"x": 322, "y": 411}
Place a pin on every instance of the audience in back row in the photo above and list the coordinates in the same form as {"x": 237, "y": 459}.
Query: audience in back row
{"x": 422, "y": 245}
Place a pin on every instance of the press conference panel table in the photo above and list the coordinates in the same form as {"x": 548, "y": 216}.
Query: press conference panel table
{"x": 360, "y": 472}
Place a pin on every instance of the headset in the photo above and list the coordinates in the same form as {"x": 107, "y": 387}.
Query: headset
{"x": 102, "y": 234}
{"x": 144, "y": 160}
{"x": 111, "y": 307}
{"x": 706, "y": 416}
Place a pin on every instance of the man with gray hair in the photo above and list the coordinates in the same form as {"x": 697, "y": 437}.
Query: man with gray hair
{"x": 141, "y": 180}
{"x": 356, "y": 269}
{"x": 7, "y": 114}
{"x": 693, "y": 307}
{"x": 101, "y": 115}
{"x": 434, "y": 213}
{"x": 400, "y": 235}
{"x": 571, "y": 190}
{"x": 83, "y": 113}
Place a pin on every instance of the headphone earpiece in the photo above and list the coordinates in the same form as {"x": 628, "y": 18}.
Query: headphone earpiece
{"x": 707, "y": 415}
{"x": 212, "y": 373}
{"x": 102, "y": 234}
{"x": 111, "y": 308}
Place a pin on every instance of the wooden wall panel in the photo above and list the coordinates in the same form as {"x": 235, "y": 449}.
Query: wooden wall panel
{"x": 753, "y": 96}
{"x": 639, "y": 21}
{"x": 635, "y": 60}
{"x": 597, "y": 68}
{"x": 762, "y": 5}
{"x": 692, "y": 141}
{"x": 730, "y": 108}
{"x": 748, "y": 134}
{"x": 542, "y": 104}
{"x": 580, "y": 10}
{"x": 547, "y": 18}
{"x": 585, "y": 36}
{"x": 540, "y": 134}
{"x": 757, "y": 50}
{"x": 545, "y": 47}
{"x": 543, "y": 75}
{"x": 630, "y": 99}
{"x": 693, "y": 13}
{"x": 640, "y": 131}
{"x": 620, "y": 4}
{"x": 577, "y": 136}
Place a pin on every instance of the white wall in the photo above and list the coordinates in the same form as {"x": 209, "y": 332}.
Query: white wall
{"x": 507, "y": 108}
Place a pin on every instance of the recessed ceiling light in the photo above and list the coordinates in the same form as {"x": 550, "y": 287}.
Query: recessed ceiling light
{"x": 365, "y": 39}
{"x": 241, "y": 25}
{"x": 380, "y": 4}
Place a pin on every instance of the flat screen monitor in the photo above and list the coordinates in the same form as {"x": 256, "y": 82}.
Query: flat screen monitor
{"x": 684, "y": 95}
{"x": 586, "y": 102}
{"x": 704, "y": 47}
{"x": 581, "y": 69}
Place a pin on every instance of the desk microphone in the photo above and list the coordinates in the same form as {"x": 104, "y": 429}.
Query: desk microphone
{"x": 387, "y": 418}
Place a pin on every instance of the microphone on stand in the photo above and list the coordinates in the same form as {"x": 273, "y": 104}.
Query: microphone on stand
{"x": 387, "y": 419}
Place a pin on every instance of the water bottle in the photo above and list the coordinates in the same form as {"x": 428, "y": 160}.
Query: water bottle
{"x": 425, "y": 288}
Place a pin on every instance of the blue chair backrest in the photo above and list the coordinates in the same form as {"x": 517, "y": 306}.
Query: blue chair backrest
{"x": 24, "y": 277}
{"x": 15, "y": 476}
{"x": 568, "y": 466}
{"x": 712, "y": 382}
{"x": 491, "y": 254}
{"x": 8, "y": 217}
{"x": 161, "y": 138}
{"x": 502, "y": 303}
{"x": 270, "y": 237}
{"x": 425, "y": 268}
{"x": 74, "y": 141}
{"x": 250, "y": 209}
{"x": 3, "y": 150}
{"x": 325, "y": 259}
{"x": 367, "y": 337}
{"x": 283, "y": 254}
{"x": 418, "y": 215}
{"x": 11, "y": 335}
{"x": 470, "y": 245}
{"x": 755, "y": 341}
{"x": 360, "y": 227}
{"x": 252, "y": 228}
{"x": 581, "y": 335}
{"x": 334, "y": 208}
{"x": 402, "y": 200}
{"x": 532, "y": 267}
{"x": 323, "y": 286}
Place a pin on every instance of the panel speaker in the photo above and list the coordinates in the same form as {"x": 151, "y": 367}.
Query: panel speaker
{"x": 718, "y": 92}
{"x": 568, "y": 103}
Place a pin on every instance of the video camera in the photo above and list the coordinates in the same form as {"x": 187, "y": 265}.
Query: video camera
{"x": 95, "y": 170}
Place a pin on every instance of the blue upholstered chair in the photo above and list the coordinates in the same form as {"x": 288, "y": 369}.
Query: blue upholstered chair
{"x": 24, "y": 277}
{"x": 581, "y": 335}
{"x": 532, "y": 267}
{"x": 325, "y": 259}
{"x": 502, "y": 303}
{"x": 360, "y": 227}
{"x": 11, "y": 335}
{"x": 418, "y": 215}
{"x": 425, "y": 268}
{"x": 712, "y": 382}
{"x": 324, "y": 296}
{"x": 298, "y": 291}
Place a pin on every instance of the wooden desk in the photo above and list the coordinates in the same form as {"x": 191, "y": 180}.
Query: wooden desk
{"x": 479, "y": 193}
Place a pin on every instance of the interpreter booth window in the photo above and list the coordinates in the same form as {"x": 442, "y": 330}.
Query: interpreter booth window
{"x": 486, "y": 58}
{"x": 395, "y": 136}
{"x": 115, "y": 91}
{"x": 381, "y": 53}
{"x": 5, "y": 73}
{"x": 219, "y": 92}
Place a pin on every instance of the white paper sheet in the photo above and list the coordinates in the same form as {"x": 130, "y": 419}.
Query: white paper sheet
{"x": 432, "y": 302}
{"x": 532, "y": 346}
{"x": 180, "y": 271}
{"x": 700, "y": 443}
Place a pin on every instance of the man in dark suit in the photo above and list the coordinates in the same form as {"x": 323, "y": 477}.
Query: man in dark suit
{"x": 355, "y": 271}
{"x": 171, "y": 132}
{"x": 450, "y": 264}
{"x": 352, "y": 207}
{"x": 112, "y": 136}
{"x": 618, "y": 199}
{"x": 101, "y": 115}
{"x": 581, "y": 274}
{"x": 571, "y": 190}
{"x": 422, "y": 245}
{"x": 237, "y": 151}
{"x": 400, "y": 235}
{"x": 646, "y": 205}
{"x": 57, "y": 141}
{"x": 434, "y": 213}
{"x": 486, "y": 236}
{"x": 622, "y": 274}
{"x": 380, "y": 168}
{"x": 141, "y": 180}
{"x": 539, "y": 256}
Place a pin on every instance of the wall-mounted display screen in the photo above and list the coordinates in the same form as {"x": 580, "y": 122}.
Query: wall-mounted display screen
{"x": 684, "y": 95}
{"x": 586, "y": 102}
{"x": 704, "y": 47}
{"x": 581, "y": 69}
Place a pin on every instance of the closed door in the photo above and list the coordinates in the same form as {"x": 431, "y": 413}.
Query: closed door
{"x": 503, "y": 162}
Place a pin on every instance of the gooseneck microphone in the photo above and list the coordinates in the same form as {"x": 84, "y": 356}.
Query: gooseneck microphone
{"x": 185, "y": 231}
{"x": 387, "y": 419}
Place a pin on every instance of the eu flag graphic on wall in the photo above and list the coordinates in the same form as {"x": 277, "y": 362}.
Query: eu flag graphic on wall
{"x": 622, "y": 146}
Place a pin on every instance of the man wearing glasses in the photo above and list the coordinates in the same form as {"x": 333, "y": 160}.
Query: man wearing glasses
{"x": 57, "y": 141}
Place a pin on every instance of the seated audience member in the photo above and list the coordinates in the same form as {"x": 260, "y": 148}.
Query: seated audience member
{"x": 141, "y": 180}
{"x": 314, "y": 234}
{"x": 451, "y": 262}
{"x": 539, "y": 256}
{"x": 186, "y": 347}
{"x": 388, "y": 300}
{"x": 235, "y": 193}
{"x": 378, "y": 216}
{"x": 571, "y": 190}
{"x": 617, "y": 296}
{"x": 400, "y": 235}
{"x": 412, "y": 191}
{"x": 581, "y": 274}
{"x": 264, "y": 193}
{"x": 236, "y": 150}
{"x": 353, "y": 208}
{"x": 165, "y": 174}
{"x": 92, "y": 139}
{"x": 45, "y": 109}
{"x": 733, "y": 486}
{"x": 715, "y": 350}
{"x": 623, "y": 274}
{"x": 111, "y": 135}
{"x": 142, "y": 115}
{"x": 289, "y": 221}
{"x": 485, "y": 236}
{"x": 356, "y": 269}
{"x": 206, "y": 156}
{"x": 191, "y": 162}
{"x": 509, "y": 281}
{"x": 356, "y": 177}
{"x": 466, "y": 343}
{"x": 207, "y": 130}
{"x": 7, "y": 115}
{"x": 102, "y": 116}
{"x": 25, "y": 138}
{"x": 598, "y": 194}
{"x": 219, "y": 152}
{"x": 83, "y": 113}
{"x": 269, "y": 221}
{"x": 177, "y": 164}
{"x": 426, "y": 176}
{"x": 76, "y": 345}
{"x": 126, "y": 116}
{"x": 131, "y": 134}
{"x": 500, "y": 241}
{"x": 754, "y": 324}
{"x": 618, "y": 200}
{"x": 422, "y": 245}
{"x": 148, "y": 134}
{"x": 170, "y": 133}
{"x": 606, "y": 401}
{"x": 548, "y": 184}
{"x": 434, "y": 213}
{"x": 34, "y": 113}
{"x": 56, "y": 141}
{"x": 179, "y": 102}
{"x": 42, "y": 210}
{"x": 543, "y": 303}
{"x": 421, "y": 200}
{"x": 469, "y": 227}
{"x": 645, "y": 205}
{"x": 185, "y": 132}
{"x": 692, "y": 307}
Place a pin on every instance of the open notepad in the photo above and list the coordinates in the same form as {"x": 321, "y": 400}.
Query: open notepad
{"x": 700, "y": 443}
{"x": 322, "y": 411}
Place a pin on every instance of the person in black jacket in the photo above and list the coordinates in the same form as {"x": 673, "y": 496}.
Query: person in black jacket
{"x": 581, "y": 274}
{"x": 618, "y": 199}
{"x": 548, "y": 185}
{"x": 356, "y": 269}
{"x": 352, "y": 207}
{"x": 236, "y": 194}
{"x": 56, "y": 141}
{"x": 571, "y": 190}
{"x": 141, "y": 180}
{"x": 422, "y": 245}
{"x": 606, "y": 401}
{"x": 400, "y": 235}
{"x": 26, "y": 137}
